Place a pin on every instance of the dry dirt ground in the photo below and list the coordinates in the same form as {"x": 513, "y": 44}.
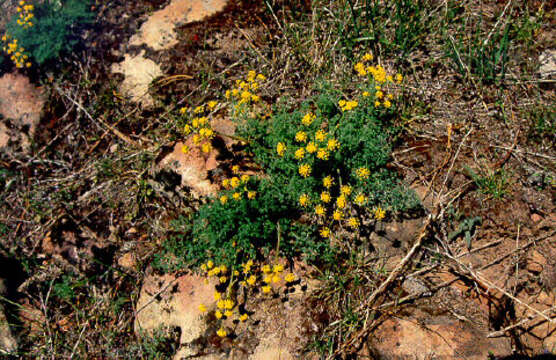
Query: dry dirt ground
{"x": 92, "y": 198}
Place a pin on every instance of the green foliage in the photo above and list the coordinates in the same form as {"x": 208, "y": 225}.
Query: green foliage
{"x": 491, "y": 183}
{"x": 542, "y": 121}
{"x": 483, "y": 56}
{"x": 56, "y": 28}
{"x": 392, "y": 27}
{"x": 466, "y": 228}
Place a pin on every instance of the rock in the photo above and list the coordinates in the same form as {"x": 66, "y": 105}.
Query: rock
{"x": 535, "y": 262}
{"x": 415, "y": 286}
{"x": 21, "y": 105}
{"x": 158, "y": 32}
{"x": 547, "y": 61}
{"x": 536, "y": 218}
{"x": 139, "y": 72}
{"x": 439, "y": 338}
{"x": 128, "y": 261}
{"x": 193, "y": 167}
{"x": 167, "y": 301}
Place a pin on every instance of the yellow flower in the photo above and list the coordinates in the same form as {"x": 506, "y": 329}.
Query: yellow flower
{"x": 319, "y": 210}
{"x": 202, "y": 308}
{"x": 227, "y": 94}
{"x": 379, "y": 94}
{"x": 342, "y": 103}
{"x": 185, "y": 149}
{"x": 280, "y": 149}
{"x": 221, "y": 332}
{"x": 236, "y": 196}
{"x": 276, "y": 279}
{"x": 337, "y": 215}
{"x": 390, "y": 96}
{"x": 267, "y": 279}
{"x": 387, "y": 104}
{"x": 251, "y": 280}
{"x": 220, "y": 304}
{"x": 308, "y": 119}
{"x": 228, "y": 313}
{"x": 389, "y": 78}
{"x": 218, "y": 314}
{"x": 223, "y": 279}
{"x": 377, "y": 103}
{"x": 199, "y": 109}
{"x": 243, "y": 317}
{"x": 324, "y": 232}
{"x": 366, "y": 94}
{"x": 266, "y": 269}
{"x": 360, "y": 199}
{"x": 379, "y": 213}
{"x": 360, "y": 68}
{"x": 278, "y": 268}
{"x": 217, "y": 296}
{"x": 325, "y": 197}
{"x": 305, "y": 170}
{"x": 245, "y": 178}
{"x": 368, "y": 57}
{"x": 322, "y": 154}
{"x": 245, "y": 95}
{"x": 229, "y": 304}
{"x": 183, "y": 110}
{"x": 255, "y": 98}
{"x": 320, "y": 135}
{"x": 261, "y": 77}
{"x": 206, "y": 147}
{"x": 341, "y": 201}
{"x": 223, "y": 199}
{"x": 301, "y": 136}
{"x": 303, "y": 200}
{"x": 212, "y": 104}
{"x": 196, "y": 139}
{"x": 333, "y": 144}
{"x": 299, "y": 153}
{"x": 311, "y": 147}
{"x": 327, "y": 182}
{"x": 345, "y": 190}
{"x": 289, "y": 278}
{"x": 266, "y": 289}
{"x": 234, "y": 182}
{"x": 223, "y": 269}
{"x": 363, "y": 173}
{"x": 399, "y": 78}
{"x": 353, "y": 222}
{"x": 210, "y": 264}
{"x": 251, "y": 194}
{"x": 226, "y": 183}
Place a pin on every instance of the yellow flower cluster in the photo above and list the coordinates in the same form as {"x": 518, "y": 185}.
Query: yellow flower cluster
{"x": 250, "y": 279}
{"x": 236, "y": 187}
{"x": 245, "y": 90}
{"x": 197, "y": 124}
{"x": 347, "y": 105}
{"x": 17, "y": 53}
{"x": 25, "y": 14}
{"x": 379, "y": 75}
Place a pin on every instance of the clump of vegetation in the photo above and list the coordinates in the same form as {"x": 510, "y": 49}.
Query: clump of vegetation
{"x": 322, "y": 174}
{"x": 44, "y": 31}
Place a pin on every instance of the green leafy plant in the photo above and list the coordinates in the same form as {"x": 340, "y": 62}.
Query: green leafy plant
{"x": 466, "y": 228}
{"x": 54, "y": 29}
{"x": 492, "y": 183}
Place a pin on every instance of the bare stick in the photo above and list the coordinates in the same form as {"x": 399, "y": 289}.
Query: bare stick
{"x": 518, "y": 324}
{"x": 394, "y": 274}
